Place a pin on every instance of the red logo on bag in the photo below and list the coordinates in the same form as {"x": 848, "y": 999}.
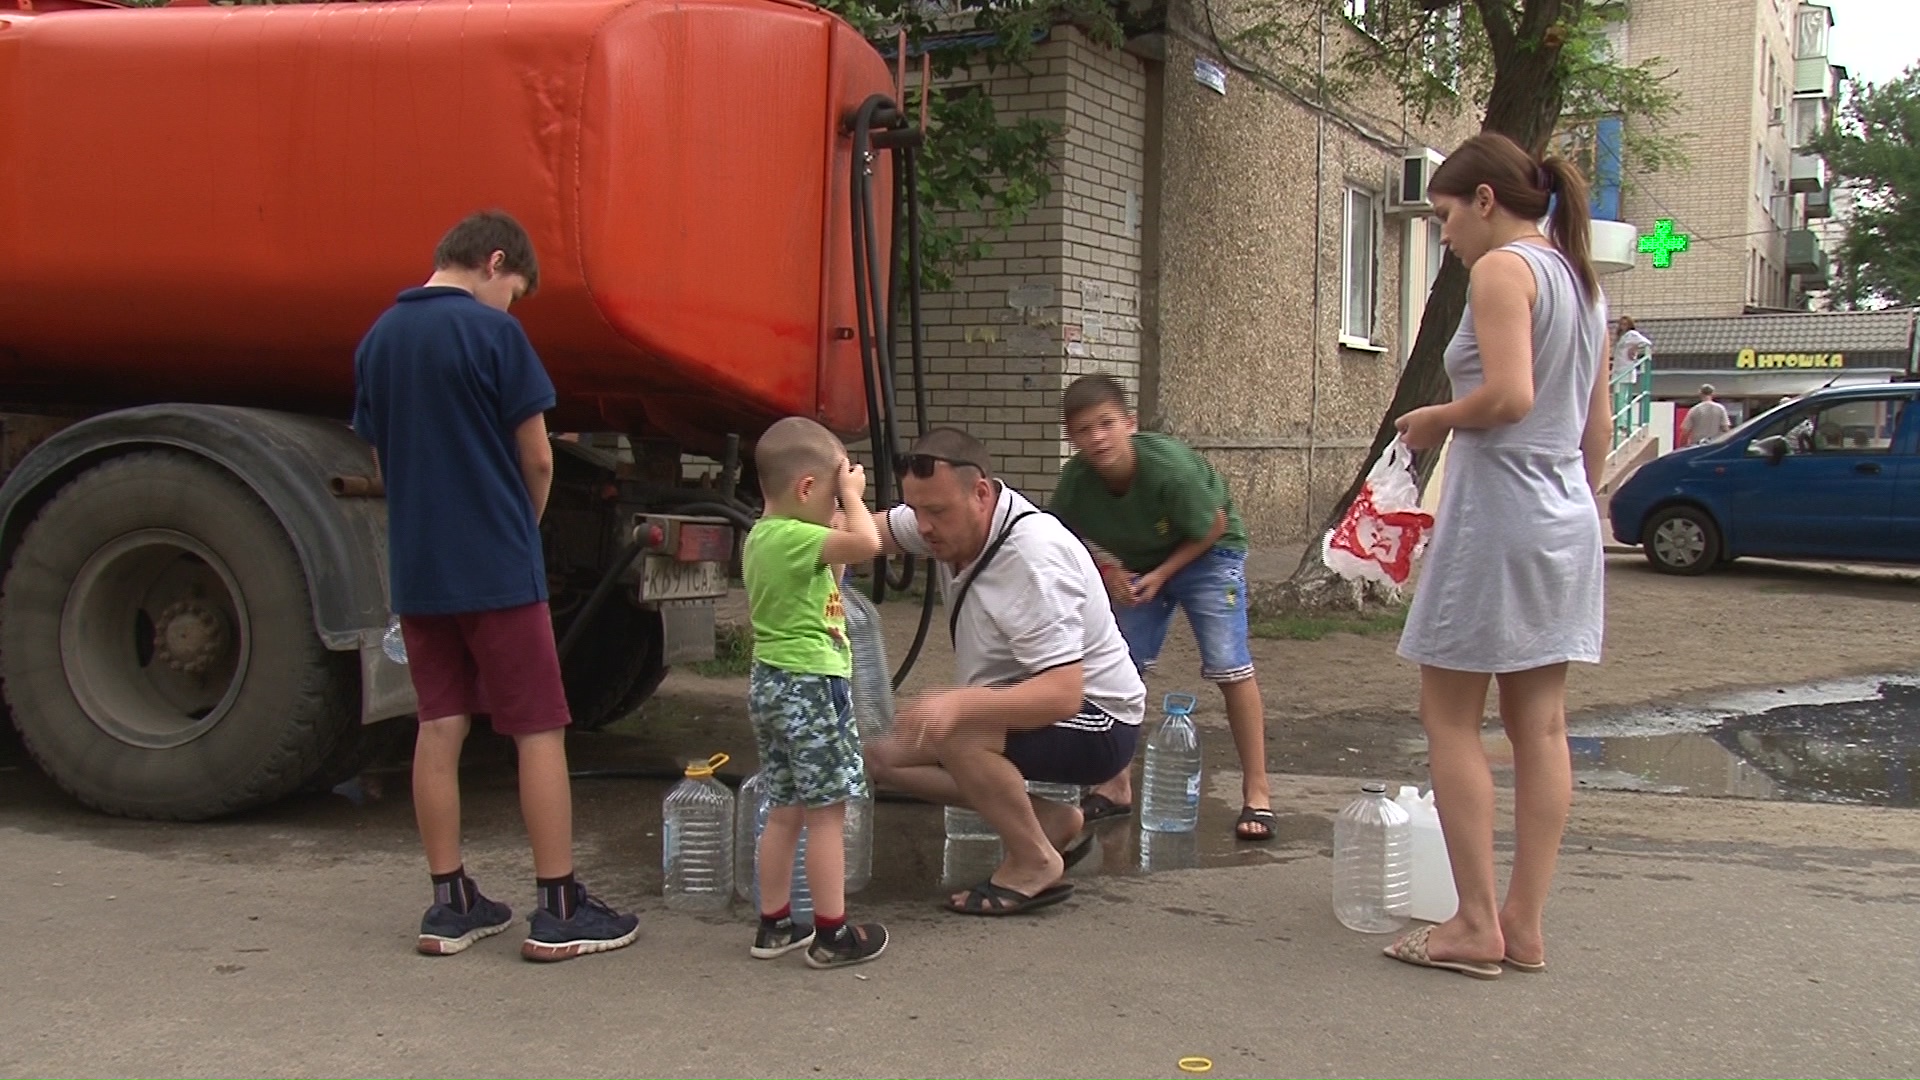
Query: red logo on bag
{"x": 1389, "y": 540}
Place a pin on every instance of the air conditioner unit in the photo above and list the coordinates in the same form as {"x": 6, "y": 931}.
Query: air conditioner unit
{"x": 1407, "y": 188}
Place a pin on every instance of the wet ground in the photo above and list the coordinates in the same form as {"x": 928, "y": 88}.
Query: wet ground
{"x": 619, "y": 784}
{"x": 1845, "y": 741}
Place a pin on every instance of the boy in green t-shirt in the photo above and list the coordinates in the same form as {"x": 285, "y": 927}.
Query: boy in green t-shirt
{"x": 798, "y": 695}
{"x": 1168, "y": 537}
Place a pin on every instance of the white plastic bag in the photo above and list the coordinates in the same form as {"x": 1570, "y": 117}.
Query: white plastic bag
{"x": 1384, "y": 531}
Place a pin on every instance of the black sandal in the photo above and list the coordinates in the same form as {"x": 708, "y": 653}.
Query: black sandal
{"x": 1097, "y": 808}
{"x": 988, "y": 898}
{"x": 1251, "y": 815}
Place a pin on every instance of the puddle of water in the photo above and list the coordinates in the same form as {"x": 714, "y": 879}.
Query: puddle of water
{"x": 1854, "y": 741}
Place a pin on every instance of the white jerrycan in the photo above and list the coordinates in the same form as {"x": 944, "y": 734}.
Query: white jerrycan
{"x": 1434, "y": 898}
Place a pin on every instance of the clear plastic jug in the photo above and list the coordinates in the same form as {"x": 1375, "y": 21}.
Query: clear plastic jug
{"x": 696, "y": 850}
{"x": 1372, "y": 863}
{"x": 1170, "y": 780}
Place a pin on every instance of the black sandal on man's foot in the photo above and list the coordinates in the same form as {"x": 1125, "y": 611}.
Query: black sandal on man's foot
{"x": 1097, "y": 808}
{"x": 988, "y": 898}
{"x": 1258, "y": 816}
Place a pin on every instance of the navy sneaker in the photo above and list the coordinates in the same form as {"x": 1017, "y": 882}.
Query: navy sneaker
{"x": 444, "y": 931}
{"x": 780, "y": 939}
{"x": 852, "y": 945}
{"x": 594, "y": 928}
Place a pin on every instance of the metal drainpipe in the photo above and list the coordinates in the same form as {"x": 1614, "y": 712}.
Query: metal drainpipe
{"x": 1319, "y": 219}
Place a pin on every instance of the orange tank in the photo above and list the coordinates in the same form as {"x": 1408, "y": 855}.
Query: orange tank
{"x": 211, "y": 204}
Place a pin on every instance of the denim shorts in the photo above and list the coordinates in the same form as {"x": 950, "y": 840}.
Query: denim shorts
{"x": 1213, "y": 590}
{"x": 803, "y": 728}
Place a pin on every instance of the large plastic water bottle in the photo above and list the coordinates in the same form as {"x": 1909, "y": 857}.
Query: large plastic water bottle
{"x": 696, "y": 853}
{"x": 751, "y": 823}
{"x": 1372, "y": 863}
{"x": 859, "y": 844}
{"x": 1434, "y": 896}
{"x": 964, "y": 824}
{"x": 1170, "y": 782}
{"x": 394, "y": 644}
{"x": 1051, "y": 792}
{"x": 750, "y": 816}
{"x": 872, "y": 681}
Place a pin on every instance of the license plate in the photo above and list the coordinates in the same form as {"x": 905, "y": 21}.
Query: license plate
{"x": 699, "y": 543}
{"x": 667, "y": 578}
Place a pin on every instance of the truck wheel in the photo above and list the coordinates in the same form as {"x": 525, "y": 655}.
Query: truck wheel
{"x": 157, "y": 644}
{"x": 1682, "y": 540}
{"x": 615, "y": 665}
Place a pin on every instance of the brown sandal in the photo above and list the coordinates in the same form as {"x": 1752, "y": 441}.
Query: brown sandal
{"x": 1412, "y": 949}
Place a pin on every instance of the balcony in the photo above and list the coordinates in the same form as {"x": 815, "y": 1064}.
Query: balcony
{"x": 1812, "y": 77}
{"x": 1819, "y": 204}
{"x": 1809, "y": 173}
{"x": 1807, "y": 258}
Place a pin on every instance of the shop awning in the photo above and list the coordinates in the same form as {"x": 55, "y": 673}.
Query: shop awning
{"x": 1780, "y": 354}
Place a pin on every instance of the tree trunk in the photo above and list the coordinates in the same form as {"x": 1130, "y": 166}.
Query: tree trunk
{"x": 1523, "y": 105}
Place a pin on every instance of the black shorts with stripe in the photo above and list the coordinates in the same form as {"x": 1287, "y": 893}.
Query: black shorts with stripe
{"x": 1090, "y": 747}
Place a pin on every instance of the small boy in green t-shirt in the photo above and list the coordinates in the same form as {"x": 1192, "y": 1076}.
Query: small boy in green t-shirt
{"x": 798, "y": 695}
{"x": 1169, "y": 537}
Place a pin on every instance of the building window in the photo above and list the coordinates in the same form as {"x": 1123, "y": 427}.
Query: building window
{"x": 1359, "y": 266}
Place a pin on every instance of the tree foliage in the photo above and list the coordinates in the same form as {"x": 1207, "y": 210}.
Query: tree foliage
{"x": 1871, "y": 150}
{"x": 974, "y": 163}
{"x": 1534, "y": 63}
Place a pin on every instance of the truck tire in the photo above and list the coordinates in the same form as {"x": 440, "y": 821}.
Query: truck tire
{"x": 157, "y": 646}
{"x": 614, "y": 666}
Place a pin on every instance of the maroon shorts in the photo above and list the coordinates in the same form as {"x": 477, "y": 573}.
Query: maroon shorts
{"x": 501, "y": 664}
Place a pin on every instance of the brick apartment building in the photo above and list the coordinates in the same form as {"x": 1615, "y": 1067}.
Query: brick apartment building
{"x": 1236, "y": 251}
{"x": 1755, "y": 86}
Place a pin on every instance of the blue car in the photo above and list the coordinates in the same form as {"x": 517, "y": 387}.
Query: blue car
{"x": 1834, "y": 475}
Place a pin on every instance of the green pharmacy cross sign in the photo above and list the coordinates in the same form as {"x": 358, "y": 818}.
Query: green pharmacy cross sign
{"x": 1663, "y": 243}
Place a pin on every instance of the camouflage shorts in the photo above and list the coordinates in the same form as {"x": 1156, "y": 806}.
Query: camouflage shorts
{"x": 809, "y": 748}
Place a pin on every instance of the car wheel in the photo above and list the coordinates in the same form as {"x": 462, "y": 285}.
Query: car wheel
{"x": 1682, "y": 540}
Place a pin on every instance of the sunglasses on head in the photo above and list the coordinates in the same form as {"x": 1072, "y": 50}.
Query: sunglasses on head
{"x": 922, "y": 465}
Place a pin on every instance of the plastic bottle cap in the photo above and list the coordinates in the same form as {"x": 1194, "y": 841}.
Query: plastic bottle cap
{"x": 1371, "y": 789}
{"x": 700, "y": 770}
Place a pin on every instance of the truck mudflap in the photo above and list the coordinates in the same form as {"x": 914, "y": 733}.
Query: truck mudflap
{"x": 295, "y": 464}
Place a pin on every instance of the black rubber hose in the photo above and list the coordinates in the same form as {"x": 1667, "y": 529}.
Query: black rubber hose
{"x": 910, "y": 171}
{"x": 866, "y": 304}
{"x": 734, "y": 515}
{"x": 627, "y": 557}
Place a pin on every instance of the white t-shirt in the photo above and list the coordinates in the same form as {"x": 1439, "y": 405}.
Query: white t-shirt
{"x": 1038, "y": 605}
{"x": 1627, "y": 346}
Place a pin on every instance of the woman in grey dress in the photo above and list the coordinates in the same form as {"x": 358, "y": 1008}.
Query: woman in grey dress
{"x": 1511, "y": 588}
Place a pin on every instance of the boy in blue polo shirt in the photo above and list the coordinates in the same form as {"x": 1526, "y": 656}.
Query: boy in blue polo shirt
{"x": 449, "y": 391}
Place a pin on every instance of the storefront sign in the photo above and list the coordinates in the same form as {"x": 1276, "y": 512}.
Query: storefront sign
{"x": 1791, "y": 360}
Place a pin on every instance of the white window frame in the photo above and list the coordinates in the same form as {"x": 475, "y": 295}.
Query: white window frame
{"x": 1350, "y": 196}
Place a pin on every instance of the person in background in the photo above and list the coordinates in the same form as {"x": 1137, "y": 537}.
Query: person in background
{"x": 1706, "y": 421}
{"x": 1512, "y": 587}
{"x": 449, "y": 391}
{"x": 1629, "y": 344}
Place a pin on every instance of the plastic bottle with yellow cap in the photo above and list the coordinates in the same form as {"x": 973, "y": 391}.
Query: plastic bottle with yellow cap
{"x": 696, "y": 849}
